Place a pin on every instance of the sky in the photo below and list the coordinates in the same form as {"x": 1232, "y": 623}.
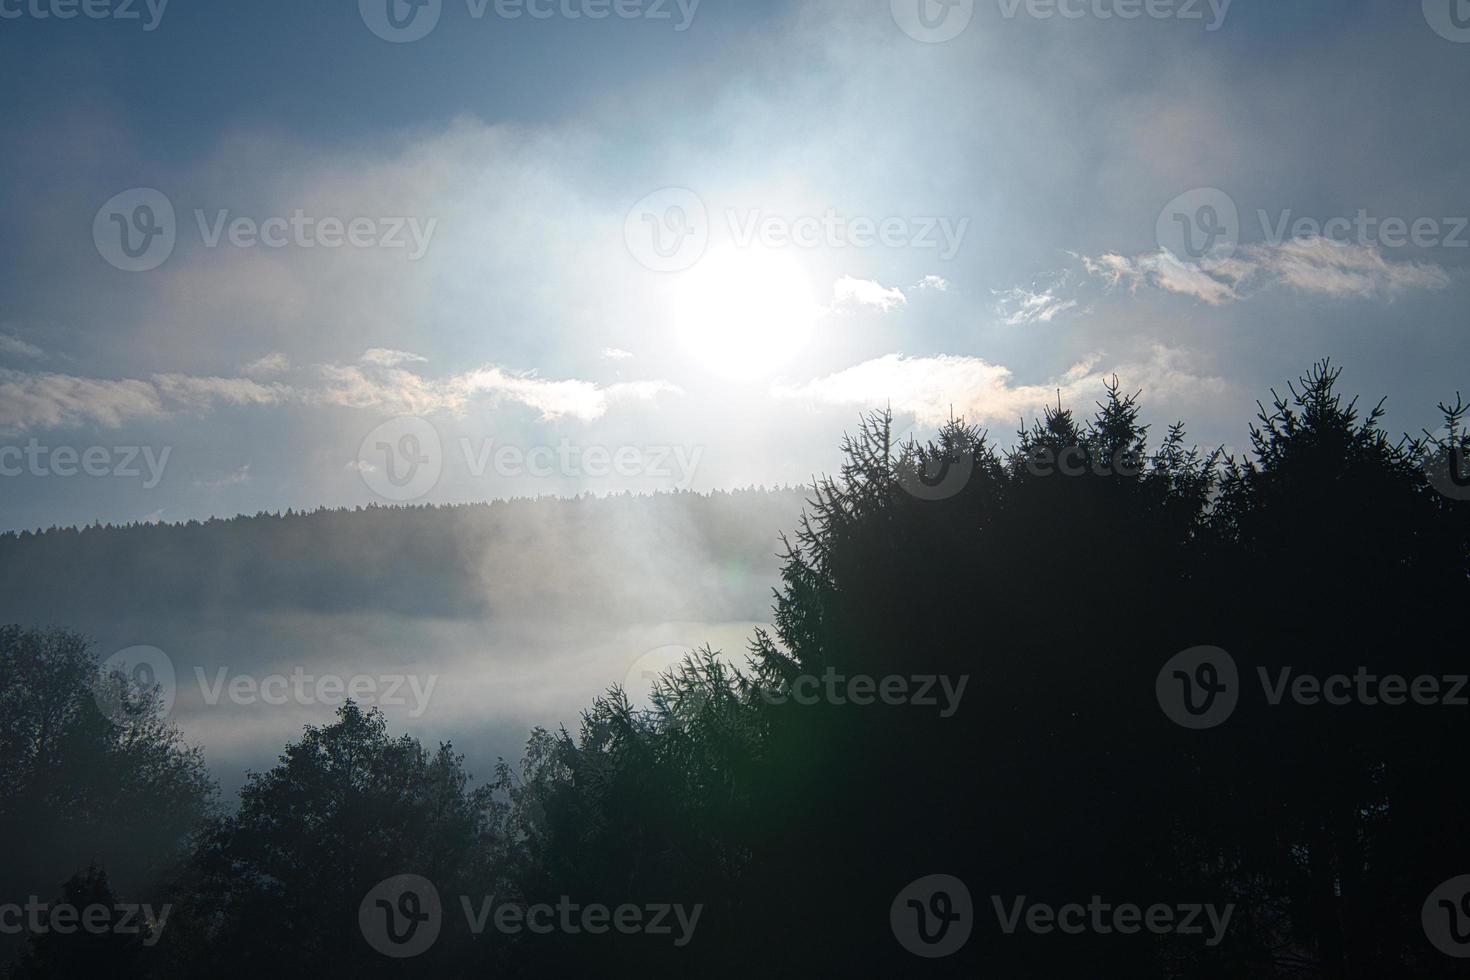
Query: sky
{"x": 329, "y": 253}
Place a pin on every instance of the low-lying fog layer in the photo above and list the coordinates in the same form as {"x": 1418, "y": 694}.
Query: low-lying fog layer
{"x": 470, "y": 624}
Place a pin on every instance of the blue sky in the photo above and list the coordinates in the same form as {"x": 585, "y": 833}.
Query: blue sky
{"x": 865, "y": 216}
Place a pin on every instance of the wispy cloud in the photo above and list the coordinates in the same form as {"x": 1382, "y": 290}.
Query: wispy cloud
{"x": 15, "y": 347}
{"x": 33, "y": 400}
{"x": 934, "y": 389}
{"x": 1018, "y": 307}
{"x": 383, "y": 357}
{"x": 239, "y": 476}
{"x": 849, "y": 291}
{"x": 271, "y": 365}
{"x": 1315, "y": 266}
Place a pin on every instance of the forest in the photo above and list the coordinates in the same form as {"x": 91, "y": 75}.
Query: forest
{"x": 1094, "y": 702}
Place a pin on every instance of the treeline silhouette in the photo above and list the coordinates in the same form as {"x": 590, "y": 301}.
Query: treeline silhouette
{"x": 531, "y": 556}
{"x": 1058, "y": 776}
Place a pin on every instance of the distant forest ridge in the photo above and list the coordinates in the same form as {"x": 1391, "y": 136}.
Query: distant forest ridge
{"x": 592, "y": 554}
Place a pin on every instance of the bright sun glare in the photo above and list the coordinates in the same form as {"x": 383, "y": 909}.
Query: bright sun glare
{"x": 745, "y": 312}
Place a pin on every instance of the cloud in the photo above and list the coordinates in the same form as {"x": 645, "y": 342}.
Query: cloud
{"x": 848, "y": 291}
{"x": 1161, "y": 270}
{"x": 616, "y": 354}
{"x": 1328, "y": 268}
{"x": 933, "y": 389}
{"x": 270, "y": 365}
{"x": 383, "y": 357}
{"x": 242, "y": 475}
{"x": 1316, "y": 266}
{"x": 202, "y": 393}
{"x": 15, "y": 347}
{"x": 43, "y": 400}
{"x": 937, "y": 283}
{"x": 1017, "y": 307}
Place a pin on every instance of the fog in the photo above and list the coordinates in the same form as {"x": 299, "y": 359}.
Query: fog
{"x": 467, "y": 624}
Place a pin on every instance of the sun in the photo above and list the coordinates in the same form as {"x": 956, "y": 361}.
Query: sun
{"x": 744, "y": 313}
